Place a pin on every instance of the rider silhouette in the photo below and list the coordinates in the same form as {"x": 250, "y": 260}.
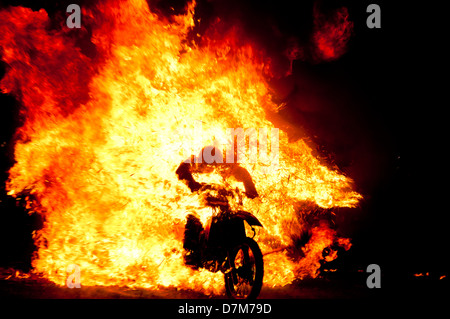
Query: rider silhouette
{"x": 208, "y": 160}
{"x": 211, "y": 158}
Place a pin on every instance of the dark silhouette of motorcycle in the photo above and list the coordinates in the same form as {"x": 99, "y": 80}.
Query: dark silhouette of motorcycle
{"x": 224, "y": 246}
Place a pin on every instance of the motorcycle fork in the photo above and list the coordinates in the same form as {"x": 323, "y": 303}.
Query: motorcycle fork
{"x": 227, "y": 263}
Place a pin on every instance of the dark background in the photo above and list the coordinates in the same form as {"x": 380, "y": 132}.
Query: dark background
{"x": 377, "y": 113}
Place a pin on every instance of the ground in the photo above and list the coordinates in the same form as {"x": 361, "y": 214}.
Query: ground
{"x": 17, "y": 286}
{"x": 327, "y": 286}
{"x": 326, "y": 296}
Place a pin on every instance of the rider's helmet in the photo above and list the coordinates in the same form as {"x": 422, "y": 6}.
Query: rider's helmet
{"x": 209, "y": 155}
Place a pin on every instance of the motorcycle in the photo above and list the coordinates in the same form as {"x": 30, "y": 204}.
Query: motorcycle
{"x": 224, "y": 246}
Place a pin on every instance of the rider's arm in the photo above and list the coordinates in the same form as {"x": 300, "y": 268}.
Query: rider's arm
{"x": 242, "y": 175}
{"x": 184, "y": 174}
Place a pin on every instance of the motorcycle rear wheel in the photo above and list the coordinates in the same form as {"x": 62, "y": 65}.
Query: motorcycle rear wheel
{"x": 244, "y": 280}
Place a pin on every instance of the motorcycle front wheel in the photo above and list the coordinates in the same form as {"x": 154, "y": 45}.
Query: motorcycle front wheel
{"x": 244, "y": 280}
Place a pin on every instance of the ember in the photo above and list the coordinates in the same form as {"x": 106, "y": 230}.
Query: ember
{"x": 100, "y": 143}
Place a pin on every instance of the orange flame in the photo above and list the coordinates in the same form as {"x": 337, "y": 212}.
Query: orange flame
{"x": 103, "y": 136}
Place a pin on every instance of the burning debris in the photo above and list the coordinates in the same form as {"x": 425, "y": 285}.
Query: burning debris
{"x": 99, "y": 147}
{"x": 331, "y": 34}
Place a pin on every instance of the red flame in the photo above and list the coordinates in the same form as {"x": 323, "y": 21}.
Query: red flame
{"x": 331, "y": 34}
{"x": 49, "y": 61}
